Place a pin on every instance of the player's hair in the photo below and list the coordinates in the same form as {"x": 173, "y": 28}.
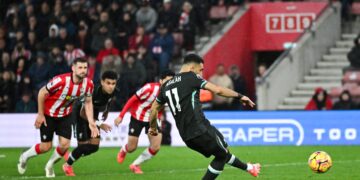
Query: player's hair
{"x": 193, "y": 58}
{"x": 166, "y": 73}
{"x": 109, "y": 75}
{"x": 80, "y": 60}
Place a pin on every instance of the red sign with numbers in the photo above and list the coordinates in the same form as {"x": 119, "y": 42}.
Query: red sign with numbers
{"x": 274, "y": 24}
{"x": 288, "y": 22}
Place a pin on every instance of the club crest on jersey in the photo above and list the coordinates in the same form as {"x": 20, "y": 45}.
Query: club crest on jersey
{"x": 198, "y": 76}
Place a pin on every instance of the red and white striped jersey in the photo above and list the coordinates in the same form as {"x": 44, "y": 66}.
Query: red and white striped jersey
{"x": 147, "y": 94}
{"x": 71, "y": 56}
{"x": 63, "y": 92}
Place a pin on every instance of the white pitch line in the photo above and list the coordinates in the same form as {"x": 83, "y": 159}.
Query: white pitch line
{"x": 180, "y": 170}
{"x": 2, "y": 156}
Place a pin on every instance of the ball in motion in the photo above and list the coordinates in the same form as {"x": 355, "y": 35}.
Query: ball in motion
{"x": 320, "y": 162}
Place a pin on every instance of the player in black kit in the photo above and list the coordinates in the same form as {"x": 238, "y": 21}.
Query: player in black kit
{"x": 181, "y": 93}
{"x": 102, "y": 97}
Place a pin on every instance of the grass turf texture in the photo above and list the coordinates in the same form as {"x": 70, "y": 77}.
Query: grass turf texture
{"x": 279, "y": 162}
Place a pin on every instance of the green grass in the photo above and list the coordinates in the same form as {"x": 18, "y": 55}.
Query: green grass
{"x": 279, "y": 162}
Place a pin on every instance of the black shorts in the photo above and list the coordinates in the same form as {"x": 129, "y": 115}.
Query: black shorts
{"x": 136, "y": 126}
{"x": 60, "y": 125}
{"x": 81, "y": 128}
{"x": 210, "y": 143}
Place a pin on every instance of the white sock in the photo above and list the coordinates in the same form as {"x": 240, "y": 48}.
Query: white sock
{"x": 55, "y": 157}
{"x": 144, "y": 156}
{"x": 123, "y": 149}
{"x": 31, "y": 152}
{"x": 249, "y": 167}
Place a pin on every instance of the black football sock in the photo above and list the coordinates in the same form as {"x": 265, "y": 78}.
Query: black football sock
{"x": 214, "y": 169}
{"x": 76, "y": 153}
{"x": 235, "y": 162}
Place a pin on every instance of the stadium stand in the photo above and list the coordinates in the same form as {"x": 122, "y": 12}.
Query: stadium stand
{"x": 29, "y": 29}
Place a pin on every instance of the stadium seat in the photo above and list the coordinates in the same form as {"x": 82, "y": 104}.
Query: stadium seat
{"x": 351, "y": 77}
{"x": 232, "y": 10}
{"x": 355, "y": 8}
{"x": 218, "y": 12}
{"x": 178, "y": 37}
{"x": 354, "y": 89}
{"x": 179, "y": 40}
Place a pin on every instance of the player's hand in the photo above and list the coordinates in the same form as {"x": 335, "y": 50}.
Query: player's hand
{"x": 40, "y": 119}
{"x": 94, "y": 130}
{"x": 117, "y": 121}
{"x": 153, "y": 132}
{"x": 105, "y": 127}
{"x": 247, "y": 101}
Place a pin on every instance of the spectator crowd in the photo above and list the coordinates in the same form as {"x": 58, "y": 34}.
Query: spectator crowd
{"x": 135, "y": 38}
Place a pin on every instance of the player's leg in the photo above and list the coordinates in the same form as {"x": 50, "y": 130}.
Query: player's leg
{"x": 59, "y": 152}
{"x": 135, "y": 128}
{"x": 148, "y": 153}
{"x": 130, "y": 147}
{"x": 217, "y": 148}
{"x": 46, "y": 136}
{"x": 84, "y": 148}
{"x": 63, "y": 130}
{"x": 206, "y": 145}
{"x": 83, "y": 135}
{"x": 86, "y": 144}
{"x": 232, "y": 160}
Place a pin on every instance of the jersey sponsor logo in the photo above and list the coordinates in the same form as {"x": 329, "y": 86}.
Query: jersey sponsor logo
{"x": 261, "y": 131}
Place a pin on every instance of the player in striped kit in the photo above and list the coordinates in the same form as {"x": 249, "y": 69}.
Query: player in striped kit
{"x": 140, "y": 105}
{"x": 54, "y": 109}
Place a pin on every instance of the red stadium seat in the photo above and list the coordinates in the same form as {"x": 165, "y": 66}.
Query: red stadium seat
{"x": 351, "y": 77}
{"x": 218, "y": 12}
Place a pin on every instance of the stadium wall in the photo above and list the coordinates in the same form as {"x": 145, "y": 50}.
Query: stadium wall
{"x": 234, "y": 47}
{"x": 291, "y": 128}
{"x": 254, "y": 29}
{"x": 290, "y": 69}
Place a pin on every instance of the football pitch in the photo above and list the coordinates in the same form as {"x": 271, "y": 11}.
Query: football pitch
{"x": 278, "y": 162}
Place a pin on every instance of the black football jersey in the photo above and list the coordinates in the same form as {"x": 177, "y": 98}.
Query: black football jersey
{"x": 101, "y": 100}
{"x": 182, "y": 95}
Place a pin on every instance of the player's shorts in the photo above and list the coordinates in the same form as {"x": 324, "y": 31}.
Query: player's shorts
{"x": 81, "y": 128}
{"x": 60, "y": 125}
{"x": 136, "y": 126}
{"x": 210, "y": 143}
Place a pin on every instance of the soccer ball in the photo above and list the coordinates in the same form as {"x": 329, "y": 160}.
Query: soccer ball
{"x": 320, "y": 162}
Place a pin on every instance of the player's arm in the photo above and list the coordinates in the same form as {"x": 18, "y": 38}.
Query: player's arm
{"x": 41, "y": 101}
{"x": 100, "y": 123}
{"x": 155, "y": 108}
{"x": 127, "y": 106}
{"x": 226, "y": 92}
{"x": 89, "y": 112}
